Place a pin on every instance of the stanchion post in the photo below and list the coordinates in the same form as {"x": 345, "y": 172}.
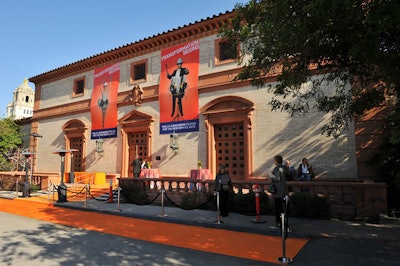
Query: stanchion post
{"x": 162, "y": 204}
{"x": 53, "y": 194}
{"x": 16, "y": 187}
{"x": 86, "y": 192}
{"x": 283, "y": 259}
{"x": 118, "y": 203}
{"x": 48, "y": 190}
{"x": 71, "y": 172}
{"x": 218, "y": 213}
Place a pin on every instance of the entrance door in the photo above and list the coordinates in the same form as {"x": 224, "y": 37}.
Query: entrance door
{"x": 77, "y": 162}
{"x": 230, "y": 147}
{"x": 138, "y": 145}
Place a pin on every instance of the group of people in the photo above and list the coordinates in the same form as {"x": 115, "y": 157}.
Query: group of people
{"x": 223, "y": 183}
{"x": 281, "y": 173}
{"x": 286, "y": 172}
{"x": 137, "y": 166}
{"x": 304, "y": 171}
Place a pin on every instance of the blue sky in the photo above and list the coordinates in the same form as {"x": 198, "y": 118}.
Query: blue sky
{"x": 37, "y": 36}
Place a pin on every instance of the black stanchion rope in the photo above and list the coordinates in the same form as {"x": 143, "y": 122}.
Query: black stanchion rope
{"x": 67, "y": 190}
{"x": 130, "y": 200}
{"x": 188, "y": 209}
{"x": 93, "y": 197}
{"x": 74, "y": 194}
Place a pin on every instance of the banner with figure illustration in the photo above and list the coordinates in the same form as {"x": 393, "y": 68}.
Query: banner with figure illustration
{"x": 103, "y": 105}
{"x": 178, "y": 92}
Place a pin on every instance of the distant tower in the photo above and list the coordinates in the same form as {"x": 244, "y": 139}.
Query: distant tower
{"x": 22, "y": 104}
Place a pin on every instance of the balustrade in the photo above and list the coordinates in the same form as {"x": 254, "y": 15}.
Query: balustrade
{"x": 354, "y": 198}
{"x": 347, "y": 199}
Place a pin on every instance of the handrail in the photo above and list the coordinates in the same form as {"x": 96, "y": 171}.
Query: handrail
{"x": 83, "y": 181}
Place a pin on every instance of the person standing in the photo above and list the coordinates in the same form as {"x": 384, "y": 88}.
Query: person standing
{"x": 305, "y": 171}
{"x": 223, "y": 185}
{"x": 144, "y": 165}
{"x": 292, "y": 171}
{"x": 137, "y": 165}
{"x": 280, "y": 174}
{"x": 178, "y": 85}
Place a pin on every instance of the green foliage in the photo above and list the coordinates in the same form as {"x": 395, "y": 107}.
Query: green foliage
{"x": 387, "y": 161}
{"x": 306, "y": 205}
{"x": 352, "y": 44}
{"x": 9, "y": 135}
{"x": 346, "y": 42}
{"x": 9, "y": 142}
{"x": 34, "y": 188}
{"x": 5, "y": 165}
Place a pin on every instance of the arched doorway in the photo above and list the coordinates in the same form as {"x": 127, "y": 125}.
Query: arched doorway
{"x": 136, "y": 139}
{"x": 75, "y": 138}
{"x": 229, "y": 135}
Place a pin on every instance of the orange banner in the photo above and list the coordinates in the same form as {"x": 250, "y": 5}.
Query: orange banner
{"x": 178, "y": 92}
{"x": 103, "y": 105}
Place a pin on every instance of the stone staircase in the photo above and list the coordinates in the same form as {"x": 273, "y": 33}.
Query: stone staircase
{"x": 77, "y": 192}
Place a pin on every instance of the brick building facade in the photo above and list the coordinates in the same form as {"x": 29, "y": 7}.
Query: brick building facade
{"x": 235, "y": 124}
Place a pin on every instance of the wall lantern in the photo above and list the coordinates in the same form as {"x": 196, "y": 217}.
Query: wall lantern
{"x": 99, "y": 146}
{"x": 36, "y": 135}
{"x": 173, "y": 141}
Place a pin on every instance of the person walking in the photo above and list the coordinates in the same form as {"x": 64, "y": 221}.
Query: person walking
{"x": 223, "y": 185}
{"x": 280, "y": 175}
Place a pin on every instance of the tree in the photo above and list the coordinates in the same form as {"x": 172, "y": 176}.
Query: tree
{"x": 352, "y": 44}
{"x": 9, "y": 143}
{"x": 387, "y": 161}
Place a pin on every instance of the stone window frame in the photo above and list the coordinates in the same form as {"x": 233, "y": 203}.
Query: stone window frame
{"x": 132, "y": 74}
{"x": 217, "y": 48}
{"x": 77, "y": 90}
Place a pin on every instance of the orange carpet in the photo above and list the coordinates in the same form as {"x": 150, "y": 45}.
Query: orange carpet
{"x": 236, "y": 244}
